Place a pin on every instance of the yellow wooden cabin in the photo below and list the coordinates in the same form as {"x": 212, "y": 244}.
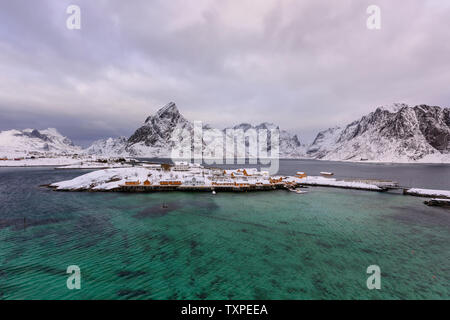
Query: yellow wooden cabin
{"x": 300, "y": 175}
{"x": 132, "y": 183}
{"x": 170, "y": 182}
{"x": 222, "y": 183}
{"x": 276, "y": 180}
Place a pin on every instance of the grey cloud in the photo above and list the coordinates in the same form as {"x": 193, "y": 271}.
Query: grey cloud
{"x": 305, "y": 65}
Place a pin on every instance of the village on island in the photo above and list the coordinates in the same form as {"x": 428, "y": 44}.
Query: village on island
{"x": 185, "y": 176}
{"x": 178, "y": 176}
{"x": 142, "y": 176}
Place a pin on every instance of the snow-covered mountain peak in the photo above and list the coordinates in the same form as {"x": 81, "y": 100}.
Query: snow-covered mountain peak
{"x": 262, "y": 126}
{"x": 111, "y": 147}
{"x": 242, "y": 126}
{"x": 169, "y": 111}
{"x": 22, "y": 142}
{"x": 399, "y": 133}
{"x": 156, "y": 137}
{"x": 393, "y": 108}
{"x": 267, "y": 126}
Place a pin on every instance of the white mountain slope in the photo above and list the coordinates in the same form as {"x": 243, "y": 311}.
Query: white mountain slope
{"x": 398, "y": 133}
{"x": 159, "y": 134}
{"x": 110, "y": 147}
{"x": 324, "y": 142}
{"x": 156, "y": 137}
{"x": 289, "y": 145}
{"x": 14, "y": 143}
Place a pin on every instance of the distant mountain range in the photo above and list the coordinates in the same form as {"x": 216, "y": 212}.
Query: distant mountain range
{"x": 21, "y": 142}
{"x": 155, "y": 138}
{"x": 397, "y": 133}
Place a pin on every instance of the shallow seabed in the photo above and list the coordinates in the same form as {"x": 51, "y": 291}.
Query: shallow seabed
{"x": 261, "y": 245}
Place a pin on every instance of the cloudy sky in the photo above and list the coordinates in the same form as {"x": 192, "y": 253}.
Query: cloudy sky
{"x": 303, "y": 64}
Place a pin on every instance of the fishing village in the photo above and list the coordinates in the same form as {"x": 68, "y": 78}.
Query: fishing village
{"x": 193, "y": 177}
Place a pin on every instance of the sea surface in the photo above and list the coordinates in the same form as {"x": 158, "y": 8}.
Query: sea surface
{"x": 258, "y": 245}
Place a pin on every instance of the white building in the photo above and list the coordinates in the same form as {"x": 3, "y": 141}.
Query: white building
{"x": 181, "y": 166}
{"x": 250, "y": 171}
{"x": 152, "y": 166}
{"x": 194, "y": 181}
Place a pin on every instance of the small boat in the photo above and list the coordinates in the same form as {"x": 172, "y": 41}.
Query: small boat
{"x": 298, "y": 191}
{"x": 327, "y": 174}
{"x": 213, "y": 192}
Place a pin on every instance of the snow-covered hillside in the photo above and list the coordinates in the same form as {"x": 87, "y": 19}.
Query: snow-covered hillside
{"x": 397, "y": 133}
{"x": 290, "y": 146}
{"x": 161, "y": 132}
{"x": 111, "y": 147}
{"x": 324, "y": 142}
{"x": 18, "y": 143}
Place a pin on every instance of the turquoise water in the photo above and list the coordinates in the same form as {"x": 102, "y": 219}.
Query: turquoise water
{"x": 266, "y": 245}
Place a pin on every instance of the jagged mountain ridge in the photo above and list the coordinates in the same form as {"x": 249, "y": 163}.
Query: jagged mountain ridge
{"x": 110, "y": 147}
{"x": 290, "y": 145}
{"x": 157, "y": 129}
{"x": 398, "y": 133}
{"x": 158, "y": 135}
{"x": 23, "y": 142}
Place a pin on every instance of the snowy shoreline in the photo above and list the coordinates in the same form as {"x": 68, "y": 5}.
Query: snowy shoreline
{"x": 40, "y": 162}
{"x": 64, "y": 163}
{"x": 188, "y": 177}
{"x": 91, "y": 163}
{"x": 195, "y": 178}
{"x": 331, "y": 182}
{"x": 378, "y": 161}
{"x": 428, "y": 193}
